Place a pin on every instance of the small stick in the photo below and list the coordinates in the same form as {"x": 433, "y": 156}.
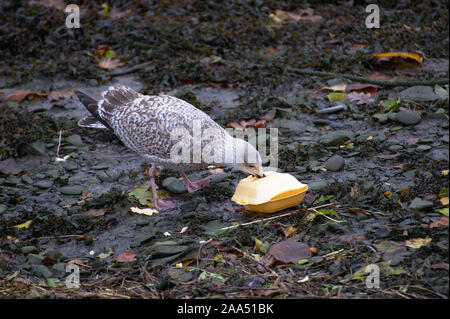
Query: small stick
{"x": 274, "y": 217}
{"x": 59, "y": 143}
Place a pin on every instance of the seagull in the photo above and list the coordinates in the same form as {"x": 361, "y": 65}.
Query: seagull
{"x": 149, "y": 124}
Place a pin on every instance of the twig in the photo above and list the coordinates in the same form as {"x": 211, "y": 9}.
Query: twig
{"x": 274, "y": 217}
{"x": 59, "y": 144}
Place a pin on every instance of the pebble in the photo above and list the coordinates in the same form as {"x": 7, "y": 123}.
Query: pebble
{"x": 334, "y": 163}
{"x": 420, "y": 204}
{"x": 3, "y": 208}
{"x": 423, "y": 148}
{"x": 408, "y": 117}
{"x": 12, "y": 180}
{"x": 174, "y": 185}
{"x": 41, "y": 271}
{"x": 71, "y": 190}
{"x": 335, "y": 138}
{"x": 317, "y": 185}
{"x": 75, "y": 140}
{"x": 29, "y": 250}
{"x": 44, "y": 184}
{"x": 35, "y": 148}
{"x": 27, "y": 179}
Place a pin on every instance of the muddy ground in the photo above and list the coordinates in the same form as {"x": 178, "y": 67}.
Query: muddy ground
{"x": 377, "y": 167}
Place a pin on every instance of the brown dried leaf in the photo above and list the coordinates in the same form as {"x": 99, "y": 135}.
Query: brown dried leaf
{"x": 18, "y": 96}
{"x": 96, "y": 212}
{"x": 441, "y": 222}
{"x": 289, "y": 251}
{"x": 126, "y": 257}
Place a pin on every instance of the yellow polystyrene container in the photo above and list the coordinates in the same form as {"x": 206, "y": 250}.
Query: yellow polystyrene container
{"x": 274, "y": 192}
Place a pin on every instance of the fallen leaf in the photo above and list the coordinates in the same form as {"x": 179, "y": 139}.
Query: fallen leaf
{"x": 184, "y": 229}
{"x": 288, "y": 232}
{"x": 444, "y": 172}
{"x": 360, "y": 98}
{"x": 354, "y": 191}
{"x": 290, "y": 251}
{"x": 24, "y": 225}
{"x": 416, "y": 243}
{"x": 395, "y": 56}
{"x": 109, "y": 63}
{"x": 388, "y": 194}
{"x": 261, "y": 246}
{"x": 18, "y": 96}
{"x": 362, "y": 87}
{"x": 96, "y": 212}
{"x": 216, "y": 170}
{"x": 401, "y": 166}
{"x": 78, "y": 261}
{"x": 126, "y": 257}
{"x": 336, "y": 96}
{"x": 444, "y": 201}
{"x": 443, "y": 211}
{"x": 145, "y": 211}
{"x": 441, "y": 222}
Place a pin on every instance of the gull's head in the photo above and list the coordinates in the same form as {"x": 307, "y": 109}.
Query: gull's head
{"x": 248, "y": 159}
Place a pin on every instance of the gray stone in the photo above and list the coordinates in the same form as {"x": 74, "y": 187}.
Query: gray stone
{"x": 27, "y": 179}
{"x": 41, "y": 271}
{"x": 3, "y": 208}
{"x": 420, "y": 204}
{"x": 12, "y": 180}
{"x": 105, "y": 162}
{"x": 35, "y": 148}
{"x": 189, "y": 205}
{"x": 174, "y": 185}
{"x": 29, "y": 250}
{"x": 34, "y": 259}
{"x": 419, "y": 94}
{"x": 423, "y": 148}
{"x": 317, "y": 185}
{"x": 408, "y": 117}
{"x": 444, "y": 139}
{"x": 334, "y": 163}
{"x": 44, "y": 184}
{"x": 335, "y": 138}
{"x": 395, "y": 148}
{"x": 75, "y": 140}
{"x": 71, "y": 190}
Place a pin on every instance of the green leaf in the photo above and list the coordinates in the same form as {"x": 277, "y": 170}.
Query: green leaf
{"x": 303, "y": 261}
{"x": 443, "y": 211}
{"x": 110, "y": 54}
{"x": 391, "y": 104}
{"x": 322, "y": 198}
{"x": 443, "y": 192}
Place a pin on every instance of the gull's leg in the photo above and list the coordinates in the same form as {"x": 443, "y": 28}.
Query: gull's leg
{"x": 194, "y": 186}
{"x": 159, "y": 203}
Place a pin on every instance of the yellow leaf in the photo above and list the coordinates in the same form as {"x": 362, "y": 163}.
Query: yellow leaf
{"x": 416, "y": 243}
{"x": 24, "y": 225}
{"x": 445, "y": 172}
{"x": 336, "y": 96}
{"x": 444, "y": 201}
{"x": 413, "y": 56}
{"x": 388, "y": 194}
{"x": 288, "y": 232}
{"x": 145, "y": 211}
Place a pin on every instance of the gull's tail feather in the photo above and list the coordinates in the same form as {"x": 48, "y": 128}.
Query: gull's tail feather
{"x": 91, "y": 105}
